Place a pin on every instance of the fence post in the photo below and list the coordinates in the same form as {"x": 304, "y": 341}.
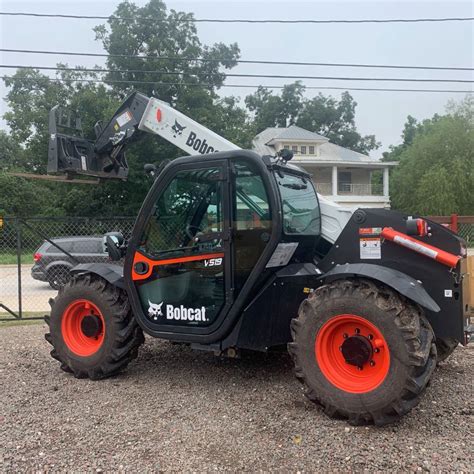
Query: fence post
{"x": 18, "y": 260}
{"x": 454, "y": 223}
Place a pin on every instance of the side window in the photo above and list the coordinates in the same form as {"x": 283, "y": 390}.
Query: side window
{"x": 301, "y": 214}
{"x": 64, "y": 245}
{"x": 87, "y": 246}
{"x": 252, "y": 208}
{"x": 252, "y": 221}
{"x": 191, "y": 205}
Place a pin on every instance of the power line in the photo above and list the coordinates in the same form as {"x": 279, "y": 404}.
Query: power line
{"x": 241, "y": 61}
{"x": 250, "y": 86}
{"x": 187, "y": 19}
{"x": 267, "y": 76}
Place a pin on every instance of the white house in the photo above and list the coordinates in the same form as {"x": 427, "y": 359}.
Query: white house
{"x": 342, "y": 175}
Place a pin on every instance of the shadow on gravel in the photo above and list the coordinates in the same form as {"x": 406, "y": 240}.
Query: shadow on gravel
{"x": 159, "y": 360}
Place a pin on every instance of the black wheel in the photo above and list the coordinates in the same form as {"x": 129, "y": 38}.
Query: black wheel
{"x": 445, "y": 347}
{"x": 92, "y": 329}
{"x": 58, "y": 277}
{"x": 363, "y": 351}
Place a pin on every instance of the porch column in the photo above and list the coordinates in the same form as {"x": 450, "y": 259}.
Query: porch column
{"x": 385, "y": 182}
{"x": 334, "y": 180}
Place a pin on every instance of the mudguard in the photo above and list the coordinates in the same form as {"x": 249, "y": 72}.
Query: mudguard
{"x": 401, "y": 282}
{"x": 108, "y": 271}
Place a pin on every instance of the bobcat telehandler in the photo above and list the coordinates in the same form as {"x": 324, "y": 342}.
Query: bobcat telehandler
{"x": 234, "y": 251}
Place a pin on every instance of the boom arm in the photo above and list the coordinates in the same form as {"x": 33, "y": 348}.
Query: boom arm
{"x": 105, "y": 158}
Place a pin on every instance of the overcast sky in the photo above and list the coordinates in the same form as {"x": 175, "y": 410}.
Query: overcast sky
{"x": 379, "y": 113}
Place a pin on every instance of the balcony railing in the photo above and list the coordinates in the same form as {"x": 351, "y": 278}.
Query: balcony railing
{"x": 350, "y": 189}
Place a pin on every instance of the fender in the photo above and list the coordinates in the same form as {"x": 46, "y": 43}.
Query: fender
{"x": 401, "y": 282}
{"x": 108, "y": 271}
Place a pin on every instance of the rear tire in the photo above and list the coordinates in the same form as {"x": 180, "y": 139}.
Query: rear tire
{"x": 92, "y": 329}
{"x": 445, "y": 347}
{"x": 58, "y": 277}
{"x": 385, "y": 375}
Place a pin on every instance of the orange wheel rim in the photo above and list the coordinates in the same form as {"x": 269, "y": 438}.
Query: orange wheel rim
{"x": 83, "y": 328}
{"x": 352, "y": 353}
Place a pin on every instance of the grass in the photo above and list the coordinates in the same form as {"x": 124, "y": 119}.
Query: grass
{"x": 22, "y": 322}
{"x": 11, "y": 258}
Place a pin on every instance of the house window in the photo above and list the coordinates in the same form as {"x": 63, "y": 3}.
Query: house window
{"x": 311, "y": 150}
{"x": 286, "y": 147}
{"x": 294, "y": 148}
{"x": 344, "y": 181}
{"x": 303, "y": 150}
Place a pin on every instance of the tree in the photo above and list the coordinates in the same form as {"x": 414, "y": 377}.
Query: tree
{"x": 436, "y": 171}
{"x": 174, "y": 46}
{"x": 32, "y": 95}
{"x": 332, "y": 118}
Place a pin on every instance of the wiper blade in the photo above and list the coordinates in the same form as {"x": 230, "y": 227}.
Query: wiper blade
{"x": 294, "y": 186}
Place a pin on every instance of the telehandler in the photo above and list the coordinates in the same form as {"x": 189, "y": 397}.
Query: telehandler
{"x": 234, "y": 251}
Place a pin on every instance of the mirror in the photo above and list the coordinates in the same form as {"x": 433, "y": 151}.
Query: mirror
{"x": 114, "y": 244}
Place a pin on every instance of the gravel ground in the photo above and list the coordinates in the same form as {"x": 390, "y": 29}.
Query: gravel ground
{"x": 177, "y": 409}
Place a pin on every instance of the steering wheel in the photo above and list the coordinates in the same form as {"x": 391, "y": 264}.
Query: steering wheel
{"x": 189, "y": 232}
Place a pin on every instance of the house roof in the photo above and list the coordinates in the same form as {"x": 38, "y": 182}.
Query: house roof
{"x": 263, "y": 142}
{"x": 328, "y": 152}
{"x": 296, "y": 133}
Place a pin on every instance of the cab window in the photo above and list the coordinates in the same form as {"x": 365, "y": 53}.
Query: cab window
{"x": 301, "y": 213}
{"x": 191, "y": 204}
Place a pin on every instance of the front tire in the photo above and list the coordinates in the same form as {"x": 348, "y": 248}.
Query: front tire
{"x": 92, "y": 329}
{"x": 364, "y": 352}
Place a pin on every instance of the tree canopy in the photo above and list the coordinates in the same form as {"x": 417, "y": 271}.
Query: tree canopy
{"x": 435, "y": 175}
{"x": 332, "y": 118}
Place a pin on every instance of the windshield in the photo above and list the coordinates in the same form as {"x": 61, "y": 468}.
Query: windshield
{"x": 301, "y": 213}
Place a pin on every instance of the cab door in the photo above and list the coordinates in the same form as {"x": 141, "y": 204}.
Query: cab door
{"x": 181, "y": 261}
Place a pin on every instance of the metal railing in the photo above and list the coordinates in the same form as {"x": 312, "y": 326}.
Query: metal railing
{"x": 350, "y": 189}
{"x": 324, "y": 188}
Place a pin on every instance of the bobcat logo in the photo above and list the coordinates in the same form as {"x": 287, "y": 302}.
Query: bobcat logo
{"x": 154, "y": 310}
{"x": 177, "y": 129}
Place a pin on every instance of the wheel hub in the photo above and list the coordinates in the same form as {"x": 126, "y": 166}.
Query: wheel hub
{"x": 83, "y": 327}
{"x": 357, "y": 350}
{"x": 91, "y": 325}
{"x": 352, "y": 353}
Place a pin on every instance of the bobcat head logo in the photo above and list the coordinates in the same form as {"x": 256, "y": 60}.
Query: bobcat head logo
{"x": 154, "y": 310}
{"x": 177, "y": 129}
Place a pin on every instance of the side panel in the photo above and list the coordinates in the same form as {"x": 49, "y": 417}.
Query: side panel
{"x": 359, "y": 243}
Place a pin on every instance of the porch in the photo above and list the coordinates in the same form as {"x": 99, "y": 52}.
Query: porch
{"x": 352, "y": 186}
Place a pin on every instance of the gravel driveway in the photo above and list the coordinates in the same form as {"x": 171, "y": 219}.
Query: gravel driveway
{"x": 177, "y": 409}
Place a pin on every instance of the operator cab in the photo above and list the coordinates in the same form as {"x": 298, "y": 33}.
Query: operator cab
{"x": 211, "y": 231}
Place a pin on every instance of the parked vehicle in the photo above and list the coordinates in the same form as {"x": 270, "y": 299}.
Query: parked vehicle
{"x": 54, "y": 262}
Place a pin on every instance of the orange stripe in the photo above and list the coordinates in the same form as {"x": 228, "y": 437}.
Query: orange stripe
{"x": 155, "y": 263}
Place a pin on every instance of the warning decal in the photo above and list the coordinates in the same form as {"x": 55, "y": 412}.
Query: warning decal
{"x": 370, "y": 248}
{"x": 124, "y": 118}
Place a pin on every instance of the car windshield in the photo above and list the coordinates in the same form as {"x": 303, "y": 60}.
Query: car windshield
{"x": 301, "y": 214}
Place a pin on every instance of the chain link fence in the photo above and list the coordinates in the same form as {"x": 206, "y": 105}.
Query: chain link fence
{"x": 466, "y": 231}
{"x": 36, "y": 255}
